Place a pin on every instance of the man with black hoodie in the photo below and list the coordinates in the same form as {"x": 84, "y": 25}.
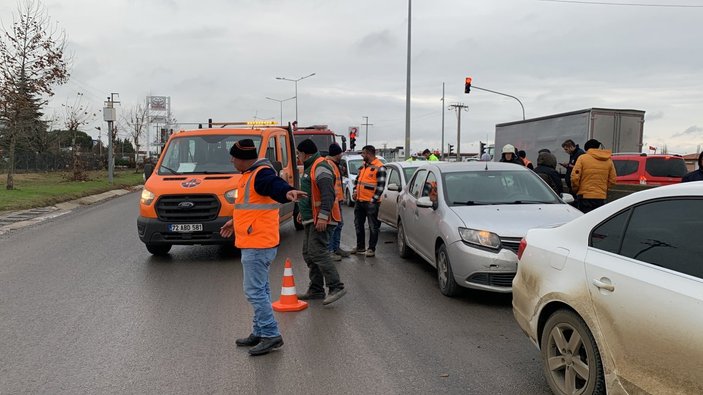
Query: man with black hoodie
{"x": 546, "y": 168}
{"x": 696, "y": 175}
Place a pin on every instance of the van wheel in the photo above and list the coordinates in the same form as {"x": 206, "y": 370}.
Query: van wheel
{"x": 158, "y": 249}
{"x": 298, "y": 225}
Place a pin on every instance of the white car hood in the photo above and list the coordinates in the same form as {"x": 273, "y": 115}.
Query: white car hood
{"x": 514, "y": 220}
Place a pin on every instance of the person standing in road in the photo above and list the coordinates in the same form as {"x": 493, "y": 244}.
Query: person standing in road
{"x": 696, "y": 175}
{"x": 335, "y": 158}
{"x": 546, "y": 168}
{"x": 508, "y": 155}
{"x": 574, "y": 152}
{"x": 523, "y": 157}
{"x": 368, "y": 187}
{"x": 319, "y": 213}
{"x": 255, "y": 229}
{"x": 429, "y": 155}
{"x": 592, "y": 176}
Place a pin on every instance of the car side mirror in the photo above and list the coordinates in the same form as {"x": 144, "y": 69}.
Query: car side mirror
{"x": 277, "y": 165}
{"x": 425, "y": 202}
{"x": 567, "y": 198}
{"x": 393, "y": 187}
{"x": 148, "y": 170}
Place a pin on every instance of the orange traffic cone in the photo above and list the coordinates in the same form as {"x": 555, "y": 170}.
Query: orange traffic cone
{"x": 289, "y": 299}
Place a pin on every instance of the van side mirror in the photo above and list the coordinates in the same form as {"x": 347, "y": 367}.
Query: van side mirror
{"x": 148, "y": 170}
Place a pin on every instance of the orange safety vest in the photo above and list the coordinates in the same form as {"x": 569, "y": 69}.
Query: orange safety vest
{"x": 526, "y": 162}
{"x": 255, "y": 216}
{"x": 338, "y": 191}
{"x": 366, "y": 181}
{"x": 336, "y": 213}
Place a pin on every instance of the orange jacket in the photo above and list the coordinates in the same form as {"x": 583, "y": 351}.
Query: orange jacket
{"x": 366, "y": 181}
{"x": 593, "y": 174}
{"x": 339, "y": 192}
{"x": 316, "y": 201}
{"x": 255, "y": 216}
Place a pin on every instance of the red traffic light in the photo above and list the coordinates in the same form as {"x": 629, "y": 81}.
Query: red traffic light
{"x": 467, "y": 85}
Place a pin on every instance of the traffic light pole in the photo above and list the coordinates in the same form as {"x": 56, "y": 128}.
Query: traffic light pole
{"x": 503, "y": 94}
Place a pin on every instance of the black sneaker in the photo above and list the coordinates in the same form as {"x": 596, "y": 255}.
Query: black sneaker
{"x": 334, "y": 295}
{"x": 250, "y": 341}
{"x": 266, "y": 345}
{"x": 311, "y": 295}
{"x": 342, "y": 253}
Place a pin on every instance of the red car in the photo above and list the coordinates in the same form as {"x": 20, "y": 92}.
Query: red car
{"x": 657, "y": 169}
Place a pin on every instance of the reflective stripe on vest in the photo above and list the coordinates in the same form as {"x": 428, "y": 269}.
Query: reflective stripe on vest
{"x": 336, "y": 214}
{"x": 256, "y": 217}
{"x": 366, "y": 181}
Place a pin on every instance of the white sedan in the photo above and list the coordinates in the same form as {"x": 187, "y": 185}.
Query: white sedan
{"x": 614, "y": 299}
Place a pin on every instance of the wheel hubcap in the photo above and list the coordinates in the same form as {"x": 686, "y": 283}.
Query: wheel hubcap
{"x": 567, "y": 359}
{"x": 442, "y": 269}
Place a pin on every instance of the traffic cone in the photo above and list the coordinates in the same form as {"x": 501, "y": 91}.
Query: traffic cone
{"x": 289, "y": 299}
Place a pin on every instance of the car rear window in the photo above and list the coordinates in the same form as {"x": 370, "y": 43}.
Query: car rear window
{"x": 666, "y": 167}
{"x": 624, "y": 167}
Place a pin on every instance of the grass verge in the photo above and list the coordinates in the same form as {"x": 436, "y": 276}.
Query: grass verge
{"x": 46, "y": 189}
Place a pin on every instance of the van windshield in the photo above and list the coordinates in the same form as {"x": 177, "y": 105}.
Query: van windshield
{"x": 201, "y": 154}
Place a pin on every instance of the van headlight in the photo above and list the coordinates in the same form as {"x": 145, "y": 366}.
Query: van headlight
{"x": 231, "y": 195}
{"x": 481, "y": 238}
{"x": 147, "y": 197}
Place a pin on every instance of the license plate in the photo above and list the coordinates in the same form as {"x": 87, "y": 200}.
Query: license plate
{"x": 185, "y": 228}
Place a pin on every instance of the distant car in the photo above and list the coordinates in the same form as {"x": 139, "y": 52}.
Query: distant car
{"x": 350, "y": 164}
{"x": 647, "y": 169}
{"x": 467, "y": 220}
{"x": 397, "y": 176}
{"x": 613, "y": 299}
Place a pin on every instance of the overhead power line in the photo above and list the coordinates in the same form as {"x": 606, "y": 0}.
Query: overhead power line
{"x": 625, "y": 4}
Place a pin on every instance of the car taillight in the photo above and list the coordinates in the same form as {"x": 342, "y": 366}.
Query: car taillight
{"x": 521, "y": 248}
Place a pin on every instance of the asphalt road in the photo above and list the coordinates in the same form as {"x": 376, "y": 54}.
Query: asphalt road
{"x": 84, "y": 308}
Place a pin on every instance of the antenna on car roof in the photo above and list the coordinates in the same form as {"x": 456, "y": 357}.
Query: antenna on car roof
{"x": 486, "y": 169}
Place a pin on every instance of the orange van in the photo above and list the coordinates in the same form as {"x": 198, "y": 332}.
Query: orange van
{"x": 189, "y": 194}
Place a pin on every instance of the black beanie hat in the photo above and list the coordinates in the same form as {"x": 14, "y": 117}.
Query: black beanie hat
{"x": 307, "y": 146}
{"x": 592, "y": 143}
{"x": 335, "y": 149}
{"x": 244, "y": 149}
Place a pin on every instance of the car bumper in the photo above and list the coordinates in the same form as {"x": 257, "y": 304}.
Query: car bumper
{"x": 482, "y": 269}
{"x": 524, "y": 301}
{"x": 154, "y": 231}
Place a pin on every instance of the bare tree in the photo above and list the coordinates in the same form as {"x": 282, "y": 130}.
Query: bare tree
{"x": 137, "y": 121}
{"x": 32, "y": 60}
{"x": 77, "y": 115}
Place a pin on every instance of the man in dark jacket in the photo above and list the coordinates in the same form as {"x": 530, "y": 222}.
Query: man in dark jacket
{"x": 546, "y": 168}
{"x": 696, "y": 175}
{"x": 574, "y": 152}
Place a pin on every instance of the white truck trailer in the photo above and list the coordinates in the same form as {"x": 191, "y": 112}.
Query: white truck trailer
{"x": 617, "y": 130}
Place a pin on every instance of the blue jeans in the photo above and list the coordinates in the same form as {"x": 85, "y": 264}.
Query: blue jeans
{"x": 255, "y": 264}
{"x": 336, "y": 237}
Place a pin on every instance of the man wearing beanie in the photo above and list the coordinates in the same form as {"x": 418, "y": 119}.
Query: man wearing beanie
{"x": 593, "y": 174}
{"x": 319, "y": 213}
{"x": 255, "y": 226}
{"x": 335, "y": 157}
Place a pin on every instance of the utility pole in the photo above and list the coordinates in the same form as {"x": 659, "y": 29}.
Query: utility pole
{"x": 442, "y": 154}
{"x": 459, "y": 107}
{"x": 367, "y": 124}
{"x": 110, "y": 115}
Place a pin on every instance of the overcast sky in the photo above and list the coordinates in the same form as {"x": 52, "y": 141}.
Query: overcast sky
{"x": 219, "y": 59}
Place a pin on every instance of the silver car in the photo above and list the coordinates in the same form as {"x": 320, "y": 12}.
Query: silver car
{"x": 397, "y": 176}
{"x": 467, "y": 220}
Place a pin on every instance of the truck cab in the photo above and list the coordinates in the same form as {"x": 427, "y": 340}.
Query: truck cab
{"x": 322, "y": 136}
{"x": 190, "y": 193}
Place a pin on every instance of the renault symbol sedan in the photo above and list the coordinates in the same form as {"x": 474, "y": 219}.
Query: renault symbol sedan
{"x": 397, "y": 176}
{"x": 614, "y": 299}
{"x": 467, "y": 220}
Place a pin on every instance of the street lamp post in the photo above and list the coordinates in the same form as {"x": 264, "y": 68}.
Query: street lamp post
{"x": 281, "y": 103}
{"x": 296, "y": 90}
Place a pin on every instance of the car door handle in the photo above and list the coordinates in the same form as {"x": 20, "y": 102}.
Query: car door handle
{"x": 604, "y": 285}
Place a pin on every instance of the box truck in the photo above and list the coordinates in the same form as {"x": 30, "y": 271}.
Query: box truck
{"x": 617, "y": 130}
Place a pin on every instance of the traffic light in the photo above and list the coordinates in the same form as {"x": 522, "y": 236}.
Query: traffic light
{"x": 352, "y": 140}
{"x": 482, "y": 147}
{"x": 467, "y": 85}
{"x": 451, "y": 148}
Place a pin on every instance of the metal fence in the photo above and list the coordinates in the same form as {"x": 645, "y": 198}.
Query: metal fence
{"x": 43, "y": 162}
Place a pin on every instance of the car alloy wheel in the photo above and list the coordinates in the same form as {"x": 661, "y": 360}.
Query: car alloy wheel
{"x": 571, "y": 359}
{"x": 445, "y": 276}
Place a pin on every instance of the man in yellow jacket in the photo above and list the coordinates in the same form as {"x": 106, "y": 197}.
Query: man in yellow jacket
{"x": 592, "y": 176}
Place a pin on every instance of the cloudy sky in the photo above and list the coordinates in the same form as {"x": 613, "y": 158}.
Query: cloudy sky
{"x": 219, "y": 59}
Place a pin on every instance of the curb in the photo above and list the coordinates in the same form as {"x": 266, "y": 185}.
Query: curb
{"x": 14, "y": 220}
